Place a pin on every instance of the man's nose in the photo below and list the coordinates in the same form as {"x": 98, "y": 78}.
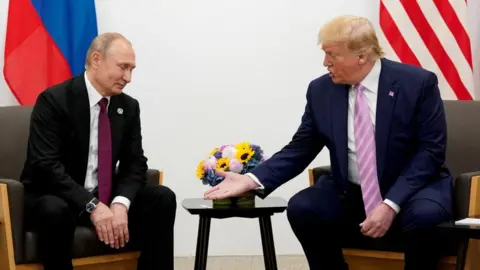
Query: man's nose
{"x": 127, "y": 76}
{"x": 326, "y": 63}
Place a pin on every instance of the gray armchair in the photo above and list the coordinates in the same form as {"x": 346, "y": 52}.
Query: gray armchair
{"x": 18, "y": 248}
{"x": 463, "y": 160}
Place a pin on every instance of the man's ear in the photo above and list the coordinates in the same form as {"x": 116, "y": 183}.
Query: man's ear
{"x": 362, "y": 59}
{"x": 95, "y": 59}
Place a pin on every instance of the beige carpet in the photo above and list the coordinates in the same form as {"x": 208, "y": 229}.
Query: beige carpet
{"x": 243, "y": 263}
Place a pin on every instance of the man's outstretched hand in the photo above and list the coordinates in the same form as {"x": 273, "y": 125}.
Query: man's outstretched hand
{"x": 233, "y": 185}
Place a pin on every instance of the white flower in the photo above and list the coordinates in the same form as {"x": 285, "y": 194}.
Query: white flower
{"x": 229, "y": 152}
{"x": 210, "y": 163}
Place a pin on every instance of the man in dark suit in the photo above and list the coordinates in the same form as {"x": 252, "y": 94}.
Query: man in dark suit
{"x": 79, "y": 130}
{"x": 384, "y": 125}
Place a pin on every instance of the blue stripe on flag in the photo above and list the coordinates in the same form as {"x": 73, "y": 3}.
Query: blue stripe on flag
{"x": 73, "y": 25}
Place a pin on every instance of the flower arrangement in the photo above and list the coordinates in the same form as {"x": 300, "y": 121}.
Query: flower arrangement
{"x": 238, "y": 158}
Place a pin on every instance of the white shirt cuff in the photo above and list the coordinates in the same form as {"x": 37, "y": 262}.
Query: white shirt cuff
{"x": 254, "y": 178}
{"x": 122, "y": 200}
{"x": 393, "y": 205}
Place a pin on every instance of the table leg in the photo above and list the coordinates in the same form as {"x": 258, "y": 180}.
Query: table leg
{"x": 202, "y": 243}
{"x": 462, "y": 253}
{"x": 269, "y": 256}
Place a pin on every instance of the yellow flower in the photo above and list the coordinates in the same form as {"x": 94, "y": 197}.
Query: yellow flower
{"x": 200, "y": 170}
{"x": 244, "y": 146}
{"x": 222, "y": 164}
{"x": 244, "y": 155}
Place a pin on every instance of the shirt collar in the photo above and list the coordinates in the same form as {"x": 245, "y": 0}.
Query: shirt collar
{"x": 370, "y": 82}
{"x": 93, "y": 95}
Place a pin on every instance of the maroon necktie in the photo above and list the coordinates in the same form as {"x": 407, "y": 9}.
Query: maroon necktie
{"x": 104, "y": 154}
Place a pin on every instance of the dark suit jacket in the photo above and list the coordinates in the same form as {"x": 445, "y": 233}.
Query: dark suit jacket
{"x": 410, "y": 131}
{"x": 58, "y": 144}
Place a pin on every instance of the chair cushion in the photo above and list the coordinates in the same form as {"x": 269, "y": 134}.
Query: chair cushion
{"x": 85, "y": 244}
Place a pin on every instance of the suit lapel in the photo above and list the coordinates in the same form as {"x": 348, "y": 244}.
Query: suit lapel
{"x": 340, "y": 120}
{"x": 81, "y": 111}
{"x": 387, "y": 96}
{"x": 115, "y": 114}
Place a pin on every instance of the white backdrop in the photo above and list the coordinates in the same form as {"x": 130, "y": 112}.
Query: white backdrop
{"x": 213, "y": 72}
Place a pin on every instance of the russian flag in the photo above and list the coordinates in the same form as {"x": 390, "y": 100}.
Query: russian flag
{"x": 46, "y": 43}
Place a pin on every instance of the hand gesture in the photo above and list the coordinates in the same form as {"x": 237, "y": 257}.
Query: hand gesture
{"x": 233, "y": 185}
{"x": 121, "y": 220}
{"x": 102, "y": 218}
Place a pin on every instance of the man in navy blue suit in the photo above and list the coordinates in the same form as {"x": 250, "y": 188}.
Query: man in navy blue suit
{"x": 384, "y": 125}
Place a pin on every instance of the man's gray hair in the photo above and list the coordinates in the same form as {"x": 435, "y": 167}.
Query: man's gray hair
{"x": 101, "y": 44}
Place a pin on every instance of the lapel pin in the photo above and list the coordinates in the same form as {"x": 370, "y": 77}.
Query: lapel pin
{"x": 391, "y": 93}
{"x": 120, "y": 111}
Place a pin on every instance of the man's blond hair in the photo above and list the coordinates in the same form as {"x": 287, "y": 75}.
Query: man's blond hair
{"x": 356, "y": 32}
{"x": 101, "y": 44}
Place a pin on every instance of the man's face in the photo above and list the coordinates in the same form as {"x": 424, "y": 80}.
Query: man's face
{"x": 114, "y": 69}
{"x": 342, "y": 65}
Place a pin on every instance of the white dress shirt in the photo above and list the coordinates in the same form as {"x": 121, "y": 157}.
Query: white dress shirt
{"x": 371, "y": 89}
{"x": 91, "y": 178}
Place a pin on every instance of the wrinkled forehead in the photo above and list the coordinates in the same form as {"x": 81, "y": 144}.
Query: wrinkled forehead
{"x": 121, "y": 52}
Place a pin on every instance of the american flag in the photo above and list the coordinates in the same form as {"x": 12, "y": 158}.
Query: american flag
{"x": 432, "y": 34}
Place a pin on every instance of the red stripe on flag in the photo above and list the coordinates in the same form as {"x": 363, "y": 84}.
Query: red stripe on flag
{"x": 436, "y": 49}
{"x": 451, "y": 20}
{"x": 395, "y": 38}
{"x": 32, "y": 62}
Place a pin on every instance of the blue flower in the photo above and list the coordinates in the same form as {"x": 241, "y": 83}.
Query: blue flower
{"x": 211, "y": 178}
{"x": 258, "y": 152}
{"x": 218, "y": 154}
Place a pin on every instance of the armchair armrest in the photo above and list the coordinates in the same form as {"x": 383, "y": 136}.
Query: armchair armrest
{"x": 315, "y": 173}
{"x": 467, "y": 195}
{"x": 11, "y": 216}
{"x": 154, "y": 177}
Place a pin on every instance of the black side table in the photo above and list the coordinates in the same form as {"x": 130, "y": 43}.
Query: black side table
{"x": 464, "y": 234}
{"x": 262, "y": 210}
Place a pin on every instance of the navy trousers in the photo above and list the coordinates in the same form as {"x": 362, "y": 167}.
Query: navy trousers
{"x": 325, "y": 219}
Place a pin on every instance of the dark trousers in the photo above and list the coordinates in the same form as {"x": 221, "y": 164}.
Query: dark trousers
{"x": 325, "y": 219}
{"x": 151, "y": 219}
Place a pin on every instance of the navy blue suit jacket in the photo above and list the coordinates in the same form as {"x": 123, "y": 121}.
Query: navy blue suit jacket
{"x": 410, "y": 129}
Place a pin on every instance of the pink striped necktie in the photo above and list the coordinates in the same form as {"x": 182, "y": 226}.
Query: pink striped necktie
{"x": 366, "y": 154}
